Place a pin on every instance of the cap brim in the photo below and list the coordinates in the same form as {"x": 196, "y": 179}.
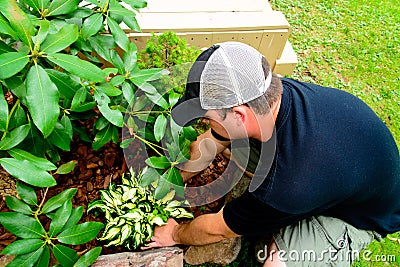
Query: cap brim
{"x": 187, "y": 112}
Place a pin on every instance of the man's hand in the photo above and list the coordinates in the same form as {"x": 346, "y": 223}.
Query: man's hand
{"x": 163, "y": 236}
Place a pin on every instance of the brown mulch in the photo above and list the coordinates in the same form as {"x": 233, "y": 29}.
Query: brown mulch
{"x": 96, "y": 169}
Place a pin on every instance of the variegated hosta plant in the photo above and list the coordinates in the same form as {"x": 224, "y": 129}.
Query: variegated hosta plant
{"x": 132, "y": 212}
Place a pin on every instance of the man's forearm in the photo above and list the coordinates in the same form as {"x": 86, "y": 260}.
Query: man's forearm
{"x": 203, "y": 230}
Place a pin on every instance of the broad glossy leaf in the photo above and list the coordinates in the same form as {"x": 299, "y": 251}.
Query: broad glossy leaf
{"x": 27, "y": 172}
{"x": 102, "y": 46}
{"x": 158, "y": 100}
{"x": 3, "y": 111}
{"x": 15, "y": 137}
{"x": 117, "y": 61}
{"x": 60, "y": 137}
{"x": 80, "y": 233}
{"x": 149, "y": 176}
{"x": 175, "y": 177}
{"x": 147, "y": 88}
{"x": 26, "y": 260}
{"x": 33, "y": 4}
{"x": 130, "y": 57}
{"x": 61, "y": 7}
{"x": 127, "y": 16}
{"x": 127, "y": 90}
{"x": 5, "y": 28}
{"x": 42, "y": 33}
{"x": 19, "y": 21}
{"x": 42, "y": 97}
{"x": 23, "y": 246}
{"x": 67, "y": 167}
{"x": 66, "y": 86}
{"x": 148, "y": 75}
{"x": 132, "y": 23}
{"x": 16, "y": 204}
{"x": 21, "y": 225}
{"x": 113, "y": 116}
{"x": 65, "y": 255}
{"x": 92, "y": 25}
{"x": 41, "y": 163}
{"x": 136, "y": 3}
{"x": 58, "y": 200}
{"x": 159, "y": 127}
{"x": 60, "y": 218}
{"x": 26, "y": 193}
{"x": 119, "y": 35}
{"x": 66, "y": 123}
{"x": 109, "y": 89}
{"x": 79, "y": 67}
{"x": 163, "y": 186}
{"x": 60, "y": 40}
{"x": 76, "y": 215}
{"x": 158, "y": 162}
{"x": 44, "y": 259}
{"x": 11, "y": 63}
{"x": 102, "y": 137}
{"x": 88, "y": 258}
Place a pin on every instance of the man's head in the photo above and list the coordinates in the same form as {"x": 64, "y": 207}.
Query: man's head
{"x": 224, "y": 77}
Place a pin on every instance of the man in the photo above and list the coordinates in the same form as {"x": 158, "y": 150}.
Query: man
{"x": 325, "y": 169}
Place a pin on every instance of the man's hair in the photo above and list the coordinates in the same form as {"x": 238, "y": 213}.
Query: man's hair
{"x": 261, "y": 105}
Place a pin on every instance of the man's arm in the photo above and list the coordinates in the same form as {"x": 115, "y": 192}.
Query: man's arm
{"x": 202, "y": 153}
{"x": 205, "y": 229}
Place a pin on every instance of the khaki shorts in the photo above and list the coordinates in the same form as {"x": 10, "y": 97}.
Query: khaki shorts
{"x": 320, "y": 241}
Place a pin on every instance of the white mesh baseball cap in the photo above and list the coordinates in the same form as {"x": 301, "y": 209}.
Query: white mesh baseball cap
{"x": 225, "y": 75}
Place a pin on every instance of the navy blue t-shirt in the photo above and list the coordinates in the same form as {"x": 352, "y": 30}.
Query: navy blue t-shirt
{"x": 333, "y": 157}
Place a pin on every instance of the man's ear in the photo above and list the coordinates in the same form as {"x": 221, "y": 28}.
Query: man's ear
{"x": 241, "y": 113}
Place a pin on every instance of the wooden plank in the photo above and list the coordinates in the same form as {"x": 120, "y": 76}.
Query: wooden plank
{"x": 286, "y": 64}
{"x": 272, "y": 44}
{"x": 177, "y": 6}
{"x": 218, "y": 21}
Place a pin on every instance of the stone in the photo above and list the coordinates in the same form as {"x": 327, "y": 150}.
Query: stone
{"x": 223, "y": 252}
{"x": 161, "y": 257}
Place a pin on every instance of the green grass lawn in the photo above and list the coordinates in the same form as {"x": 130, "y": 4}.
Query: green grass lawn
{"x": 354, "y": 46}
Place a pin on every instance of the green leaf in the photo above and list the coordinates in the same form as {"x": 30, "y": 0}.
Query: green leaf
{"x": 19, "y": 21}
{"x": 113, "y": 116}
{"x": 23, "y": 246}
{"x": 42, "y": 99}
{"x": 127, "y": 16}
{"x": 127, "y": 90}
{"x": 79, "y": 67}
{"x": 119, "y": 35}
{"x": 61, "y": 7}
{"x": 158, "y": 162}
{"x": 76, "y": 215}
{"x": 109, "y": 89}
{"x": 27, "y": 172}
{"x": 148, "y": 88}
{"x": 26, "y": 193}
{"x": 41, "y": 163}
{"x": 11, "y": 63}
{"x": 15, "y": 137}
{"x": 175, "y": 177}
{"x": 159, "y": 127}
{"x": 26, "y": 260}
{"x": 158, "y": 100}
{"x": 44, "y": 259}
{"x": 5, "y": 28}
{"x": 136, "y": 3}
{"x": 102, "y": 137}
{"x": 92, "y": 25}
{"x": 88, "y": 258}
{"x": 163, "y": 186}
{"x": 67, "y": 125}
{"x": 65, "y": 255}
{"x": 101, "y": 45}
{"x": 21, "y": 225}
{"x": 58, "y": 200}
{"x": 60, "y": 218}
{"x": 42, "y": 33}
{"x": 80, "y": 233}
{"x": 67, "y": 167}
{"x": 16, "y": 204}
{"x": 147, "y": 75}
{"x": 60, "y": 137}
{"x": 60, "y": 40}
{"x": 117, "y": 61}
{"x": 150, "y": 175}
{"x": 66, "y": 86}
{"x": 130, "y": 57}
{"x": 33, "y": 4}
{"x": 132, "y": 23}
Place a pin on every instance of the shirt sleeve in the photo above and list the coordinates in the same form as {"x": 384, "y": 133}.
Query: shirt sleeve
{"x": 248, "y": 216}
